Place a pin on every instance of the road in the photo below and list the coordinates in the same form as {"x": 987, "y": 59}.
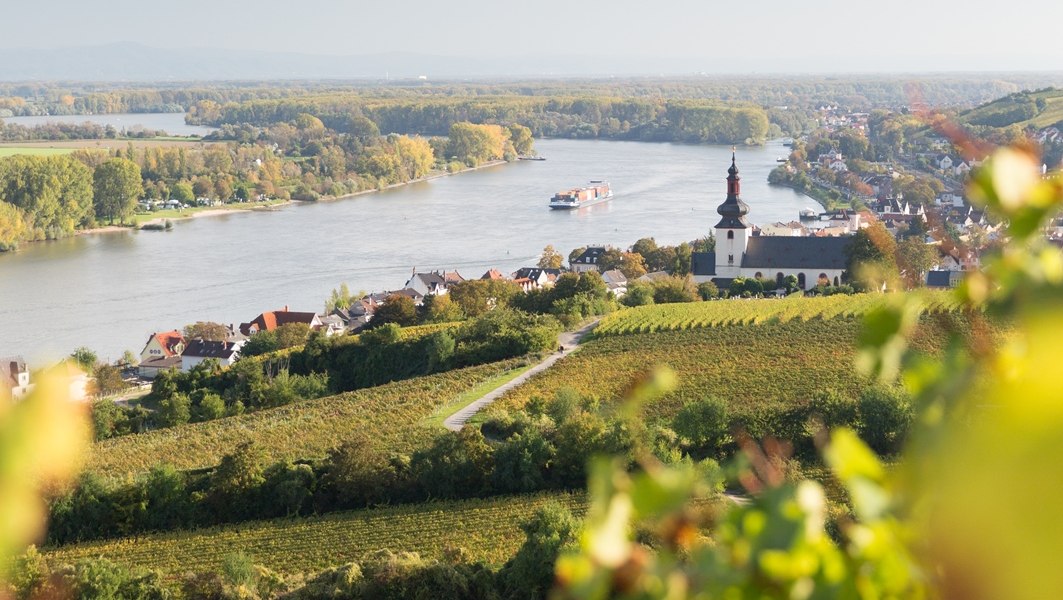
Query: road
{"x": 568, "y": 340}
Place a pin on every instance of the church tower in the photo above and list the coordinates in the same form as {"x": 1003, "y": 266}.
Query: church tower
{"x": 732, "y": 232}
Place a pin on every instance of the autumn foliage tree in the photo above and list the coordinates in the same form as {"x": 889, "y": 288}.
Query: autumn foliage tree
{"x": 116, "y": 187}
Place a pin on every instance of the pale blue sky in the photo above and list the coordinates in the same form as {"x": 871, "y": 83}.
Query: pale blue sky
{"x": 825, "y": 34}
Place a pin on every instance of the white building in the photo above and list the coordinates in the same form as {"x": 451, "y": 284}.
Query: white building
{"x": 197, "y": 351}
{"x": 14, "y": 377}
{"x": 739, "y": 253}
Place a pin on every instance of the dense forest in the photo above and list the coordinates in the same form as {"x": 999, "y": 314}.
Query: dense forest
{"x": 698, "y": 121}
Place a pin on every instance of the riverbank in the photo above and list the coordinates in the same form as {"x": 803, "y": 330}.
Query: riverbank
{"x": 429, "y": 177}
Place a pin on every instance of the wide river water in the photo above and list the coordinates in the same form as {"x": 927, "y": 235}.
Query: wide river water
{"x": 110, "y": 291}
{"x": 172, "y": 123}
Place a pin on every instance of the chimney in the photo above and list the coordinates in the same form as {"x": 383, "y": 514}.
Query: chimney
{"x": 285, "y": 308}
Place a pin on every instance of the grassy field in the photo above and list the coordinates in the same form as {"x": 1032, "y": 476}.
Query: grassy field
{"x": 396, "y": 415}
{"x": 142, "y": 218}
{"x": 32, "y": 151}
{"x": 744, "y": 365}
{"x": 488, "y": 529}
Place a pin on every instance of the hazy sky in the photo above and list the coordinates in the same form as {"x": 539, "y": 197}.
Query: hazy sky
{"x": 824, "y": 35}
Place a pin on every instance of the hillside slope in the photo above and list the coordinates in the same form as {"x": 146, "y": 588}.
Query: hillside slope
{"x": 395, "y": 415}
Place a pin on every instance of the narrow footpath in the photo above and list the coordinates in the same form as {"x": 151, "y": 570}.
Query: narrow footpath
{"x": 568, "y": 340}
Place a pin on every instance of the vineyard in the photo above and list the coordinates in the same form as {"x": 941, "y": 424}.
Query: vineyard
{"x": 695, "y": 315}
{"x": 489, "y": 529}
{"x": 395, "y": 414}
{"x": 776, "y": 362}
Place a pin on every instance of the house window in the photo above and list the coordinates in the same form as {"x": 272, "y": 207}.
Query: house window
{"x": 779, "y": 278}
{"x": 730, "y": 259}
{"x": 759, "y": 275}
{"x": 801, "y": 280}
{"x": 835, "y": 281}
{"x": 823, "y": 279}
{"x": 730, "y": 235}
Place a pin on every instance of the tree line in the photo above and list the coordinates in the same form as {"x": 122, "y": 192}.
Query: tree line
{"x": 681, "y": 120}
{"x": 51, "y": 197}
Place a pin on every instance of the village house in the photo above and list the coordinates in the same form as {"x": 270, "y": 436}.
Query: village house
{"x": 199, "y": 350}
{"x": 616, "y": 281}
{"x": 944, "y": 162}
{"x": 14, "y": 377}
{"x": 270, "y": 321}
{"x": 588, "y": 259}
{"x": 433, "y": 283}
{"x": 813, "y": 260}
{"x": 494, "y": 274}
{"x": 163, "y": 345}
{"x": 539, "y": 277}
{"x": 793, "y": 228}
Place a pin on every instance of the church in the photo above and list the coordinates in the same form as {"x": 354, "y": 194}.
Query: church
{"x": 742, "y": 252}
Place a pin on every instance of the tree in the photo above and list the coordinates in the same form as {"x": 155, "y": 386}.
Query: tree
{"x": 674, "y": 289}
{"x": 870, "y": 257}
{"x": 530, "y": 573}
{"x": 14, "y": 227}
{"x": 182, "y": 192}
{"x": 914, "y": 259}
{"x": 708, "y": 290}
{"x": 396, "y": 309}
{"x": 341, "y": 298}
{"x": 522, "y": 139}
{"x": 440, "y": 308}
{"x": 108, "y": 380}
{"x": 704, "y": 425}
{"x": 116, "y": 187}
{"x": 291, "y": 335}
{"x": 207, "y": 330}
{"x": 175, "y": 410}
{"x": 550, "y": 258}
{"x": 85, "y": 358}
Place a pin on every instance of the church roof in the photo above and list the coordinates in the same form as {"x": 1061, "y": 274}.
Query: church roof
{"x": 785, "y": 252}
{"x": 703, "y": 264}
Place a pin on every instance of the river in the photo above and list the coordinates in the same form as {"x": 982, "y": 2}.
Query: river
{"x": 172, "y": 123}
{"x": 110, "y": 291}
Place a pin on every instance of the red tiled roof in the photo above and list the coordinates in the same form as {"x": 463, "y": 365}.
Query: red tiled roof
{"x": 169, "y": 341}
{"x": 268, "y": 321}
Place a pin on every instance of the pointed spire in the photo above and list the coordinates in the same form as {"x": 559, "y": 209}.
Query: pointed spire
{"x": 733, "y": 210}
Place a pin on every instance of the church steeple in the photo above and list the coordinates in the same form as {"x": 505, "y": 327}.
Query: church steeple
{"x": 733, "y": 210}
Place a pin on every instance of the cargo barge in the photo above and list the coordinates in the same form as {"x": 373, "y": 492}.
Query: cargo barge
{"x": 593, "y": 193}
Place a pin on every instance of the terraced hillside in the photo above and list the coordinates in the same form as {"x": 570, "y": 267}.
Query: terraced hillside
{"x": 395, "y": 414}
{"x": 489, "y": 530}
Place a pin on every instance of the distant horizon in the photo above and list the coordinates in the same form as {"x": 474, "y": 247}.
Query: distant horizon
{"x": 134, "y": 61}
{"x": 621, "y": 37}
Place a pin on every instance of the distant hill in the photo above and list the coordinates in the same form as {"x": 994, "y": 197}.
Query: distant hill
{"x": 136, "y": 62}
{"x": 1038, "y": 109}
